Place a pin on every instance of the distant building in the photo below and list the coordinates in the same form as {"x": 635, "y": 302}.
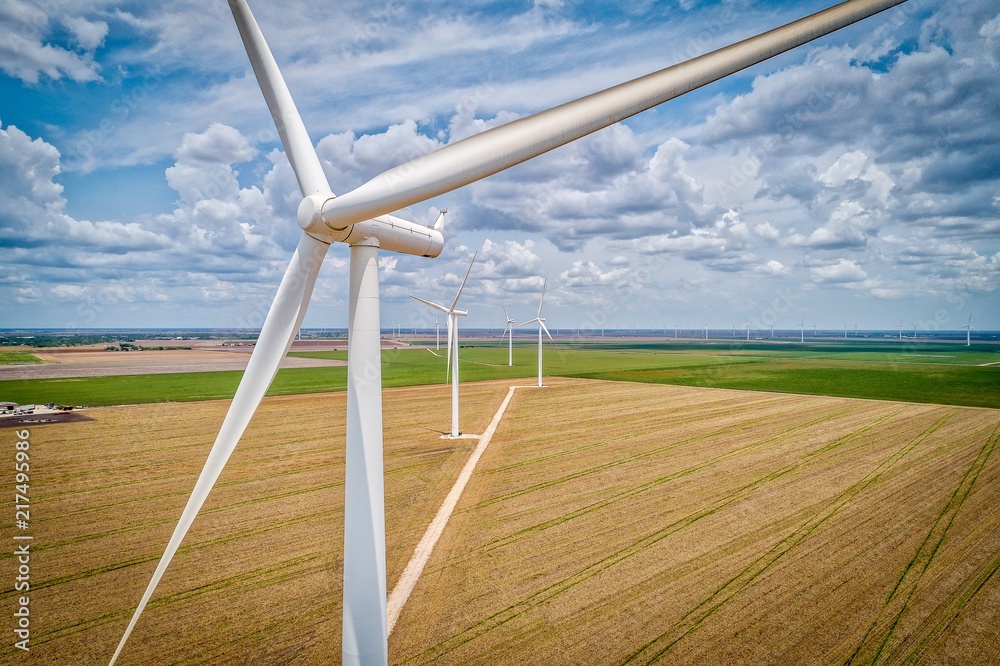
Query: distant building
{"x": 8, "y": 406}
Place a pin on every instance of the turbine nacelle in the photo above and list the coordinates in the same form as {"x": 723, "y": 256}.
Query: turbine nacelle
{"x": 392, "y": 233}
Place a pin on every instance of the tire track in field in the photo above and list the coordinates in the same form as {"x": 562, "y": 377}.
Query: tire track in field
{"x": 187, "y": 547}
{"x": 710, "y": 605}
{"x": 714, "y": 409}
{"x": 953, "y": 612}
{"x": 914, "y": 571}
{"x": 649, "y": 453}
{"x": 251, "y": 579}
{"x": 555, "y": 589}
{"x": 654, "y": 483}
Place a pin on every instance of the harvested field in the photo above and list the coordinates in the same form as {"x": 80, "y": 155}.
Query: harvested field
{"x": 608, "y": 522}
{"x": 647, "y": 524}
{"x": 90, "y": 363}
{"x": 258, "y": 578}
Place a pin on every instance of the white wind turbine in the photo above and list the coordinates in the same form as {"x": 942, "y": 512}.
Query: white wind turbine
{"x": 748, "y": 330}
{"x": 968, "y": 331}
{"x": 360, "y": 219}
{"x": 900, "y": 329}
{"x": 509, "y": 332}
{"x": 453, "y": 315}
{"x": 802, "y": 330}
{"x": 541, "y": 327}
{"x": 845, "y": 329}
{"x": 706, "y": 330}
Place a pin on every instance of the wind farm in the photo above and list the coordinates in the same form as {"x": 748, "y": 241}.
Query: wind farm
{"x": 614, "y": 492}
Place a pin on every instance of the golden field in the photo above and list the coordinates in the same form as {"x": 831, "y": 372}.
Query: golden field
{"x": 606, "y": 523}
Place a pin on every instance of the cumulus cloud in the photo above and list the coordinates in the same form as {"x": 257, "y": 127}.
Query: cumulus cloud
{"x": 773, "y": 268}
{"x": 843, "y": 272}
{"x": 25, "y": 54}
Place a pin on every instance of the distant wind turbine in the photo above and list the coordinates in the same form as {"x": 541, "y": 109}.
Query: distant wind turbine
{"x": 845, "y": 329}
{"x": 968, "y": 331}
{"x": 706, "y": 330}
{"x": 541, "y": 327}
{"x": 748, "y": 330}
{"x": 453, "y": 315}
{"x": 802, "y": 330}
{"x": 900, "y": 329}
{"x": 509, "y": 332}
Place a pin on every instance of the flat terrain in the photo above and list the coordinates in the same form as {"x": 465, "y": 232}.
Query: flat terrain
{"x": 928, "y": 373}
{"x": 643, "y": 524}
{"x": 63, "y": 364}
{"x": 608, "y": 522}
{"x": 258, "y": 578}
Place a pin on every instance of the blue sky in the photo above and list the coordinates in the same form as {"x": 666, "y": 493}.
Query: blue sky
{"x": 854, "y": 180}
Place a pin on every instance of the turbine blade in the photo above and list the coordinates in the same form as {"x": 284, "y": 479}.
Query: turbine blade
{"x": 525, "y": 323}
{"x": 459, "y": 294}
{"x": 499, "y": 148}
{"x": 430, "y": 303}
{"x": 283, "y": 320}
{"x": 503, "y": 336}
{"x": 294, "y": 137}
{"x": 439, "y": 223}
{"x": 508, "y": 316}
{"x": 542, "y": 299}
{"x": 542, "y": 324}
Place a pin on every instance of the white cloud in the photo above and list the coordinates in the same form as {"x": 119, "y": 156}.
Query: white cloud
{"x": 24, "y": 54}
{"x": 774, "y": 268}
{"x": 843, "y": 272}
{"x": 88, "y": 35}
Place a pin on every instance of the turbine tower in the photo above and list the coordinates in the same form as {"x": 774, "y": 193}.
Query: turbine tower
{"x": 802, "y": 330}
{"x": 360, "y": 218}
{"x": 452, "y": 368}
{"x": 541, "y": 327}
{"x": 509, "y": 332}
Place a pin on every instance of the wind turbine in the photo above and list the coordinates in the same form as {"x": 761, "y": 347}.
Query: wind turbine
{"x": 968, "y": 331}
{"x": 453, "y": 315}
{"x": 509, "y": 332}
{"x": 900, "y": 329}
{"x": 802, "y": 330}
{"x": 845, "y": 329}
{"x": 706, "y": 330}
{"x": 748, "y": 330}
{"x": 360, "y": 219}
{"x": 541, "y": 327}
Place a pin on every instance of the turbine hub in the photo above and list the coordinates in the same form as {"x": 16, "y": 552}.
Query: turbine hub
{"x": 310, "y": 213}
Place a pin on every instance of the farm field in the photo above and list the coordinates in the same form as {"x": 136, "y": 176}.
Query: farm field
{"x": 688, "y": 526}
{"x": 914, "y": 373}
{"x": 608, "y": 522}
{"x": 257, "y": 580}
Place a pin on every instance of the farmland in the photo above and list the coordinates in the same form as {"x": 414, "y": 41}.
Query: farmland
{"x": 608, "y": 522}
{"x": 934, "y": 373}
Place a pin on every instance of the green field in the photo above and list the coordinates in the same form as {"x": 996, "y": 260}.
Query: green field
{"x": 933, "y": 373}
{"x": 12, "y": 357}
